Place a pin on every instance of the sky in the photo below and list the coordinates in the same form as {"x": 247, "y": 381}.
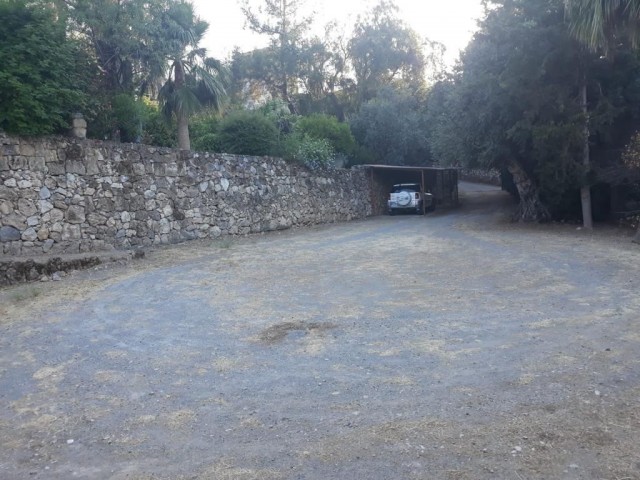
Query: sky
{"x": 450, "y": 22}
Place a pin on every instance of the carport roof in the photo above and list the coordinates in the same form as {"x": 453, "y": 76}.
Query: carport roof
{"x": 398, "y": 167}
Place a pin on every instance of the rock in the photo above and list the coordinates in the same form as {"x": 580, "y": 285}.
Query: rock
{"x": 203, "y": 186}
{"x": 55, "y": 277}
{"x": 11, "y": 182}
{"x": 75, "y": 214}
{"x": 224, "y": 183}
{"x": 29, "y": 235}
{"x": 33, "y": 221}
{"x": 45, "y": 206}
{"x": 71, "y": 232}
{"x": 48, "y": 245}
{"x": 56, "y": 215}
{"x": 15, "y": 220}
{"x": 24, "y": 184}
{"x": 26, "y": 207}
{"x": 43, "y": 234}
{"x": 96, "y": 219}
{"x": 125, "y": 217}
{"x": 9, "y": 234}
{"x": 5, "y": 208}
{"x": 44, "y": 193}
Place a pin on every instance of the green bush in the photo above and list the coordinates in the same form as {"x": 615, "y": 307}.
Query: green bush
{"x": 248, "y": 133}
{"x": 128, "y": 114}
{"x": 312, "y": 152}
{"x": 320, "y": 126}
{"x": 40, "y": 71}
{"x": 157, "y": 130}
{"x": 203, "y": 129}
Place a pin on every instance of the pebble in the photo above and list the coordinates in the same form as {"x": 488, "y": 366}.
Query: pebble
{"x": 70, "y": 441}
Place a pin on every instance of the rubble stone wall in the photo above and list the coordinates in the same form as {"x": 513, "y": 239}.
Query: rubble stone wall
{"x": 63, "y": 195}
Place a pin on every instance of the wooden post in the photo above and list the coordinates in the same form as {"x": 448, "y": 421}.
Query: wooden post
{"x": 374, "y": 206}
{"x": 585, "y": 190}
{"x": 423, "y": 186}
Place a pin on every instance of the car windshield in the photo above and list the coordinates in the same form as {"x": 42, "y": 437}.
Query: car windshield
{"x": 406, "y": 188}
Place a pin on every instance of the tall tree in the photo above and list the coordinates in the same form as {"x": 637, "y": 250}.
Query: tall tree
{"x": 600, "y": 24}
{"x": 194, "y": 80}
{"x": 385, "y": 51}
{"x": 283, "y": 22}
{"x": 120, "y": 33}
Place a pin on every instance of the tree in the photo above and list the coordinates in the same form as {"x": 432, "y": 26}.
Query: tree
{"x": 513, "y": 104}
{"x": 193, "y": 79}
{"x": 281, "y": 21}
{"x": 384, "y": 51}
{"x": 393, "y": 127}
{"x": 120, "y": 33}
{"x": 42, "y": 72}
{"x": 599, "y": 24}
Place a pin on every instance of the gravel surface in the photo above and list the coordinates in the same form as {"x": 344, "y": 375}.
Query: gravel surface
{"x": 451, "y": 346}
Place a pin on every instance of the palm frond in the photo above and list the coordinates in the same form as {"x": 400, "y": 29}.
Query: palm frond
{"x": 599, "y": 23}
{"x": 186, "y": 101}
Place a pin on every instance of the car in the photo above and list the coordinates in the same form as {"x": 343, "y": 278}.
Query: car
{"x": 408, "y": 197}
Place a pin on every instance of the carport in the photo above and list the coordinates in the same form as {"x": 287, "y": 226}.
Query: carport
{"x": 442, "y": 183}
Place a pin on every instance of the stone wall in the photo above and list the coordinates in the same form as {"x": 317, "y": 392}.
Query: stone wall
{"x": 61, "y": 195}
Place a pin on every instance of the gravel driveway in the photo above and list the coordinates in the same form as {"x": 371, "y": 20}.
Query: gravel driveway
{"x": 451, "y": 346}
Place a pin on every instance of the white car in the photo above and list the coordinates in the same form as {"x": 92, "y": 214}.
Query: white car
{"x": 407, "y": 197}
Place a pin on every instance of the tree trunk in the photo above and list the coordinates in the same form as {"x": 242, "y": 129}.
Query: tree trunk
{"x": 530, "y": 209}
{"x": 585, "y": 191}
{"x": 184, "y": 143}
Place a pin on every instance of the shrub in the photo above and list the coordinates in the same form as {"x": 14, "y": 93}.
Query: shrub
{"x": 320, "y": 126}
{"x": 157, "y": 130}
{"x": 312, "y": 152}
{"x": 40, "y": 71}
{"x": 203, "y": 129}
{"x": 247, "y": 133}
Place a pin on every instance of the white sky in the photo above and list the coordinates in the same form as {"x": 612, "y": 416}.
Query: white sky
{"x": 451, "y": 22}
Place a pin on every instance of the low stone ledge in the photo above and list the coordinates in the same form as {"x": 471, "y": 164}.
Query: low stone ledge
{"x": 15, "y": 270}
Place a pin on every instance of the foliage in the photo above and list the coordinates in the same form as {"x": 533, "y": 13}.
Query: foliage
{"x": 203, "y": 129}
{"x": 278, "y": 112}
{"x": 384, "y": 51}
{"x": 247, "y": 133}
{"x": 601, "y": 24}
{"x": 121, "y": 35}
{"x": 325, "y": 127}
{"x": 41, "y": 72}
{"x": 281, "y": 21}
{"x": 157, "y": 130}
{"x": 314, "y": 153}
{"x": 515, "y": 104}
{"x": 392, "y": 127}
{"x": 194, "y": 80}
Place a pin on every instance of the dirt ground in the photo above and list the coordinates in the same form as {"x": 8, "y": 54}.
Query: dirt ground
{"x": 451, "y": 346}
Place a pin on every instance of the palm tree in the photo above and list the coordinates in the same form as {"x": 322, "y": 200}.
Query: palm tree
{"x": 193, "y": 80}
{"x": 599, "y": 24}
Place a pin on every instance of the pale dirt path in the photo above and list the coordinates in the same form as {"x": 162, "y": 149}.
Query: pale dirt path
{"x": 454, "y": 346}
